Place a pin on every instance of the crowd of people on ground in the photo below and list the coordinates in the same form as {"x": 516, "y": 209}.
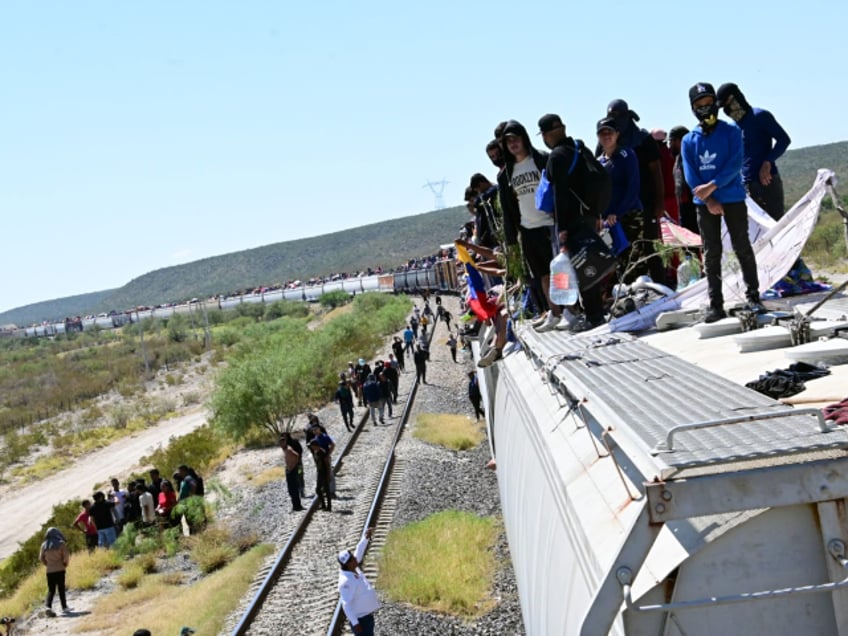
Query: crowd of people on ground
{"x": 606, "y": 205}
{"x": 104, "y": 517}
{"x": 373, "y": 387}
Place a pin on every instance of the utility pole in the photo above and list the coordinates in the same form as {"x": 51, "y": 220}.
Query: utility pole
{"x": 438, "y": 190}
{"x": 141, "y": 338}
{"x": 207, "y": 336}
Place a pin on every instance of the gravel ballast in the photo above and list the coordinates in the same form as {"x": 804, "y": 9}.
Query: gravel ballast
{"x": 434, "y": 479}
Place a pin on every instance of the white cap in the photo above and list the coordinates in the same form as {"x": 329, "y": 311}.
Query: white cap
{"x": 344, "y": 556}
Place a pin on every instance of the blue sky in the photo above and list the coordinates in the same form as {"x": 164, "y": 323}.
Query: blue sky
{"x": 136, "y": 136}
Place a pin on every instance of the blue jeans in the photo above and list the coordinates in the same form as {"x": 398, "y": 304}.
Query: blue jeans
{"x": 106, "y": 537}
{"x": 367, "y": 623}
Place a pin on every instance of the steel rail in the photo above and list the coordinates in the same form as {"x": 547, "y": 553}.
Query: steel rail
{"x": 284, "y": 556}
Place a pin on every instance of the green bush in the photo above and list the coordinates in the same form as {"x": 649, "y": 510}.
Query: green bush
{"x": 334, "y": 299}
{"x": 197, "y": 449}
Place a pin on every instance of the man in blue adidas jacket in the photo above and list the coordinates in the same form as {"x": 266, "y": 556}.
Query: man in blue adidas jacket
{"x": 712, "y": 163}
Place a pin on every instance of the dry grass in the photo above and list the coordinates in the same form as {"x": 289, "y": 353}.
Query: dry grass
{"x": 204, "y": 605}
{"x": 276, "y": 473}
{"x": 213, "y": 549}
{"x": 456, "y": 432}
{"x": 84, "y": 572}
{"x": 335, "y": 313}
{"x": 443, "y": 563}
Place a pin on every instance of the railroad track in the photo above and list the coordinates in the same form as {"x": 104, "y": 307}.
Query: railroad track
{"x": 298, "y": 592}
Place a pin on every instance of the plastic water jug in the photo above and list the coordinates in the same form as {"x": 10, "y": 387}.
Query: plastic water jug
{"x": 564, "y": 285}
{"x": 688, "y": 272}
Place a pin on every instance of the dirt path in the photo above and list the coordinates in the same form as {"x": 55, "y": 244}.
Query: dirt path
{"x": 23, "y": 512}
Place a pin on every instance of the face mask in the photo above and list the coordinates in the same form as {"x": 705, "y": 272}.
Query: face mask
{"x": 707, "y": 115}
{"x": 733, "y": 109}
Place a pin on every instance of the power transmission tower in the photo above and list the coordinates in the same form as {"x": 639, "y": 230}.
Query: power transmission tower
{"x": 438, "y": 190}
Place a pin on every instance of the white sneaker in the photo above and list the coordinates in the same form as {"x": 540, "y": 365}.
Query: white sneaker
{"x": 537, "y": 322}
{"x": 550, "y": 323}
{"x": 565, "y": 323}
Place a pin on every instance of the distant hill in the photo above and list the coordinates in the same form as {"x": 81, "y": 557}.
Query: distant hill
{"x": 55, "y": 309}
{"x": 798, "y": 168}
{"x": 388, "y": 244}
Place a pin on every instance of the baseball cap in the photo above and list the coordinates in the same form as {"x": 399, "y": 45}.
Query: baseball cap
{"x": 549, "y": 122}
{"x": 606, "y": 122}
{"x": 701, "y": 89}
{"x": 618, "y": 106}
{"x": 514, "y": 128}
{"x": 344, "y": 557}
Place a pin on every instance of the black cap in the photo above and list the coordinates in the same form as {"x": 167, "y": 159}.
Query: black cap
{"x": 606, "y": 122}
{"x": 678, "y": 132}
{"x": 726, "y": 90}
{"x": 699, "y": 90}
{"x": 619, "y": 107}
{"x": 549, "y": 122}
{"x": 514, "y": 128}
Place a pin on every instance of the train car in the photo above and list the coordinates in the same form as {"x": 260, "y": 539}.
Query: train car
{"x": 442, "y": 276}
{"x": 643, "y": 495}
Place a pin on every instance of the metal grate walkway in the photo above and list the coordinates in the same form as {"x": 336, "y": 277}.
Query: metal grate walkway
{"x": 651, "y": 392}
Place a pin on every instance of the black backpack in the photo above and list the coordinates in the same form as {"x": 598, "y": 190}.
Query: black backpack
{"x": 199, "y": 489}
{"x": 595, "y": 191}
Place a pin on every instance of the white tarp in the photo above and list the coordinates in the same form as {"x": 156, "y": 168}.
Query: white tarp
{"x": 777, "y": 245}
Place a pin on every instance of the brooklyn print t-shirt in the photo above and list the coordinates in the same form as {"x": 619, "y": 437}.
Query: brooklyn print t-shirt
{"x": 525, "y": 180}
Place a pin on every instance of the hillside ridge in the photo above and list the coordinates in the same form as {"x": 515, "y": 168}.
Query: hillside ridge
{"x": 385, "y": 243}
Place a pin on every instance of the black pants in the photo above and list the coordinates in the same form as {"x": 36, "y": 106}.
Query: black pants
{"x": 736, "y": 219}
{"x": 453, "y": 353}
{"x": 770, "y": 197}
{"x": 293, "y": 485}
{"x": 633, "y": 225}
{"x": 347, "y": 413}
{"x": 651, "y": 232}
{"x": 56, "y": 580}
{"x": 478, "y": 412}
{"x": 421, "y": 373}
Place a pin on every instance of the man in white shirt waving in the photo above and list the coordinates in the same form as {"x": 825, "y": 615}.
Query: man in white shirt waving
{"x": 359, "y": 600}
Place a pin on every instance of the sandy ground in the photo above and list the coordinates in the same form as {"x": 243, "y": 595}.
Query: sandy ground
{"x": 23, "y": 511}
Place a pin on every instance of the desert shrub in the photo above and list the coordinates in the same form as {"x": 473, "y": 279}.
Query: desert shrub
{"x": 334, "y": 299}
{"x": 213, "y": 549}
{"x": 191, "y": 397}
{"x": 120, "y": 415}
{"x": 255, "y": 311}
{"x": 199, "y": 449}
{"x": 130, "y": 576}
{"x": 173, "y": 379}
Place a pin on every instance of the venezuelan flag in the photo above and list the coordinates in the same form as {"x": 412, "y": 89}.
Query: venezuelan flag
{"x": 478, "y": 300}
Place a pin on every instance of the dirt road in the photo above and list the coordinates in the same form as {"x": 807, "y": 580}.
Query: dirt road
{"x": 23, "y": 512}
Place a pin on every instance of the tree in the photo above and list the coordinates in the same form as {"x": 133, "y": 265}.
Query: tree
{"x": 334, "y": 299}
{"x": 267, "y": 388}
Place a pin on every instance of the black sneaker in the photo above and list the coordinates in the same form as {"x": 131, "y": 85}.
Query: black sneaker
{"x": 713, "y": 315}
{"x": 756, "y": 307}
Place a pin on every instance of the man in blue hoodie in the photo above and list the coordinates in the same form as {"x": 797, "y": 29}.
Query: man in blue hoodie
{"x": 712, "y": 164}
{"x": 764, "y": 142}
